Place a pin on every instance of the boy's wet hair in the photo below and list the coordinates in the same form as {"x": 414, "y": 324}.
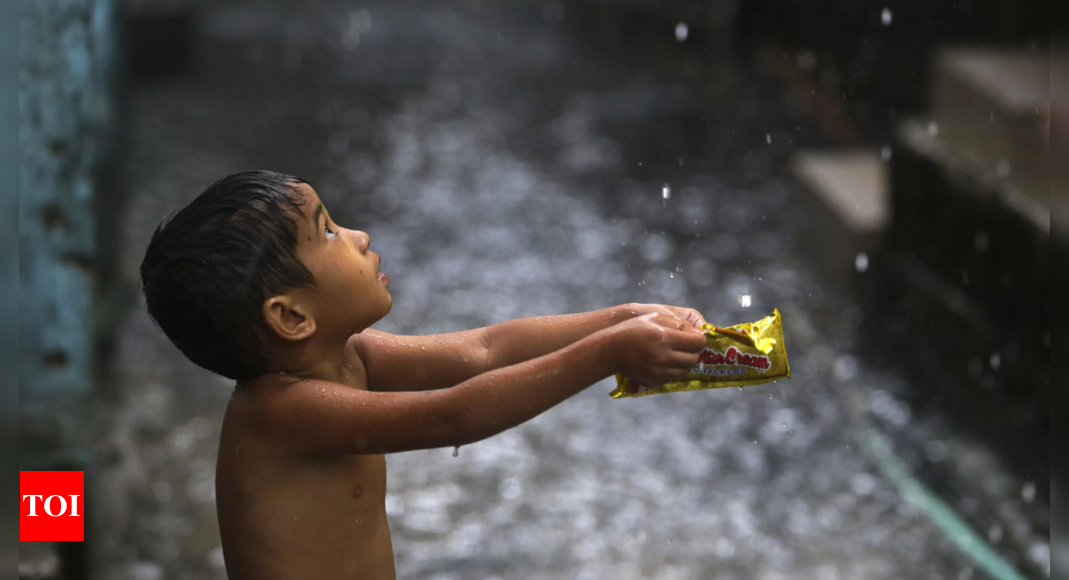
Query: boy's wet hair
{"x": 210, "y": 267}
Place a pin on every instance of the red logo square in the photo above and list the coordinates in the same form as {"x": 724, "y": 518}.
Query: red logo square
{"x": 53, "y": 506}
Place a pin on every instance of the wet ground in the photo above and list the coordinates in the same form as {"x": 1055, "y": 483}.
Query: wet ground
{"x": 504, "y": 168}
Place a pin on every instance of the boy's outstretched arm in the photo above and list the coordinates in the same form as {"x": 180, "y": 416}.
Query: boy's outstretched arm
{"x": 317, "y": 417}
{"x": 422, "y": 363}
{"x": 523, "y": 339}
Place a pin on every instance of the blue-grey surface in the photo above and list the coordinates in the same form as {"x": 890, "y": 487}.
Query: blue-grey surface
{"x": 505, "y": 169}
{"x": 66, "y": 120}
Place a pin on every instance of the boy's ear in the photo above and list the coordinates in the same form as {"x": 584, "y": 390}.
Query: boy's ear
{"x": 288, "y": 319}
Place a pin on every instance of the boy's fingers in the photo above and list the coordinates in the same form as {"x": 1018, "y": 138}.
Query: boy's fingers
{"x": 688, "y": 340}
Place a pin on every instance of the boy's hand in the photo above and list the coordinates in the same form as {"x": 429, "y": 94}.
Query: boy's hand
{"x": 692, "y": 316}
{"x": 657, "y": 347}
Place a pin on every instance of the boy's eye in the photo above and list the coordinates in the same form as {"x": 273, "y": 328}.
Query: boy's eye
{"x": 330, "y": 233}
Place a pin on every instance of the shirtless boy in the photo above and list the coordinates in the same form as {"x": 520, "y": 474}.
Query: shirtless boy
{"x": 254, "y": 281}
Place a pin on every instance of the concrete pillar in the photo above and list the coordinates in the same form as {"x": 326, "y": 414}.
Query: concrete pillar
{"x": 67, "y": 59}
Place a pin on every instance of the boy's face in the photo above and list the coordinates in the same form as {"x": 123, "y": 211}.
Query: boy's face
{"x": 351, "y": 293}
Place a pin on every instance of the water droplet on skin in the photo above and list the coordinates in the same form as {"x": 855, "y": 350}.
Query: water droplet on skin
{"x": 886, "y": 17}
{"x": 456, "y": 451}
{"x": 465, "y": 359}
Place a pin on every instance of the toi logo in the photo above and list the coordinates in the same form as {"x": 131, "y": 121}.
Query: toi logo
{"x": 52, "y": 506}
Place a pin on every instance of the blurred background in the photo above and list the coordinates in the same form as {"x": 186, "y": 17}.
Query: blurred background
{"x": 879, "y": 171}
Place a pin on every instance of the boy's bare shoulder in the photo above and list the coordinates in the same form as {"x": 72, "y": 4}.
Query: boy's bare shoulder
{"x": 280, "y": 403}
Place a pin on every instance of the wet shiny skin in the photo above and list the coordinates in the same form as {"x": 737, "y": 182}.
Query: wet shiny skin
{"x": 290, "y": 515}
{"x": 285, "y": 512}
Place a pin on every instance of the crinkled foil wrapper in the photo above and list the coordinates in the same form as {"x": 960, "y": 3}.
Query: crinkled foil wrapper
{"x": 748, "y": 354}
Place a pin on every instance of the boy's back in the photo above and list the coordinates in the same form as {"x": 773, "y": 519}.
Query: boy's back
{"x": 286, "y": 514}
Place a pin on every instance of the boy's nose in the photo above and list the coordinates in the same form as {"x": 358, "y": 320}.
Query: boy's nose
{"x": 363, "y": 241}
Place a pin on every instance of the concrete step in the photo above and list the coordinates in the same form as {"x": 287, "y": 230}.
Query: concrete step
{"x": 988, "y": 107}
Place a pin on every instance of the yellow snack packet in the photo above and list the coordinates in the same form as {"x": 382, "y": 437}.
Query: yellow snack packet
{"x": 742, "y": 355}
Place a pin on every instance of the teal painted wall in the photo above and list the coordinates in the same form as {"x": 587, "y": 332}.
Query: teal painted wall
{"x": 67, "y": 56}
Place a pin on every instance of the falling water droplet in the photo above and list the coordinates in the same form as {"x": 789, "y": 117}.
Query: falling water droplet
{"x": 886, "y": 17}
{"x": 1003, "y": 168}
{"x": 768, "y": 138}
{"x": 671, "y": 275}
{"x": 456, "y": 451}
{"x": 744, "y": 299}
{"x": 682, "y": 31}
{"x": 1028, "y": 492}
{"x": 666, "y": 193}
{"x": 861, "y": 262}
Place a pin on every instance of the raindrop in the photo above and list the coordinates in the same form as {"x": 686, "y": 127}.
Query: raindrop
{"x": 768, "y": 138}
{"x": 456, "y": 451}
{"x": 1002, "y": 168}
{"x": 1028, "y": 492}
{"x": 666, "y": 193}
{"x": 996, "y": 361}
{"x": 744, "y": 299}
{"x": 886, "y": 17}
{"x": 553, "y": 12}
{"x": 861, "y": 262}
{"x": 682, "y": 30}
{"x": 936, "y": 451}
{"x": 994, "y": 534}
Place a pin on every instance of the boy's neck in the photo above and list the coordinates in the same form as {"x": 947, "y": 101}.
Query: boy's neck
{"x": 322, "y": 360}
